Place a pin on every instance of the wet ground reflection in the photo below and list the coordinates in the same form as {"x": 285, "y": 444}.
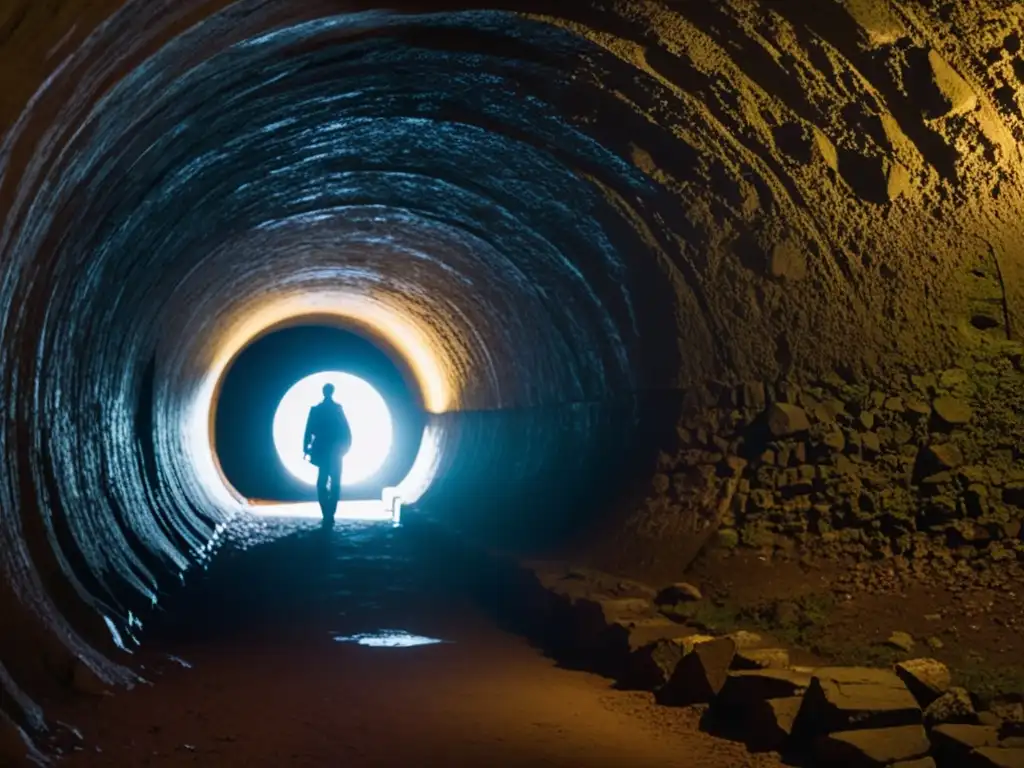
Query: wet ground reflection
{"x": 388, "y": 638}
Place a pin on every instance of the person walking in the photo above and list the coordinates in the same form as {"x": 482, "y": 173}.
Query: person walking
{"x": 328, "y": 438}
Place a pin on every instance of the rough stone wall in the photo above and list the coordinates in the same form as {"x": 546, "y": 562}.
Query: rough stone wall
{"x": 928, "y": 465}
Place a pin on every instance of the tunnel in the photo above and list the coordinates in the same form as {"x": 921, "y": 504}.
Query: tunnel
{"x": 616, "y": 254}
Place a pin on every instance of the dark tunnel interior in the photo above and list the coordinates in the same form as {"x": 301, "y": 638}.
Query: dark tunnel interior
{"x": 579, "y": 251}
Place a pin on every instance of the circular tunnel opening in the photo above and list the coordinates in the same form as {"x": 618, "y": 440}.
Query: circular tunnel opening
{"x": 265, "y": 396}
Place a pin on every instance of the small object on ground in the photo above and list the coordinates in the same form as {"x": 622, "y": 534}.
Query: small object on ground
{"x": 901, "y": 641}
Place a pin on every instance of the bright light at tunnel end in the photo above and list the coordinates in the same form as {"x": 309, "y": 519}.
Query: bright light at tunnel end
{"x": 368, "y": 416}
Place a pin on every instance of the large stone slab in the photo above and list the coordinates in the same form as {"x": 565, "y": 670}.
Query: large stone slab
{"x": 921, "y": 762}
{"x": 745, "y": 688}
{"x": 995, "y": 757}
{"x": 851, "y": 698}
{"x": 768, "y": 724}
{"x": 953, "y": 743}
{"x": 615, "y": 650}
{"x": 652, "y": 665}
{"x": 872, "y": 748}
{"x": 700, "y": 675}
{"x": 761, "y": 658}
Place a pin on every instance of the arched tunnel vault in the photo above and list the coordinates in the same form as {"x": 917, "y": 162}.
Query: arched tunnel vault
{"x": 550, "y": 217}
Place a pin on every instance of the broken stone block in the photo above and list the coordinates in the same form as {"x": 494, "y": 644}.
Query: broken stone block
{"x": 590, "y": 618}
{"x": 768, "y": 724}
{"x": 954, "y": 706}
{"x": 623, "y": 637}
{"x": 700, "y": 675}
{"x": 651, "y": 666}
{"x": 602, "y": 610}
{"x": 995, "y": 757}
{"x": 872, "y": 747}
{"x": 927, "y": 679}
{"x": 761, "y": 658}
{"x": 952, "y": 412}
{"x": 953, "y": 743}
{"x": 785, "y": 419}
{"x": 845, "y": 698}
{"x": 746, "y": 640}
{"x": 742, "y": 688}
{"x": 681, "y": 592}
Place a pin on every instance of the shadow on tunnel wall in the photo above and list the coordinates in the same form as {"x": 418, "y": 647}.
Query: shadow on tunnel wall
{"x": 542, "y": 481}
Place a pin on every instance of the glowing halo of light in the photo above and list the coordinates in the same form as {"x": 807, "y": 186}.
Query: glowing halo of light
{"x": 419, "y": 345}
{"x": 368, "y": 416}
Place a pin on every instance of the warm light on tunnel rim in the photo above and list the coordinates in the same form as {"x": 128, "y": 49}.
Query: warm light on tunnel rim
{"x": 368, "y": 416}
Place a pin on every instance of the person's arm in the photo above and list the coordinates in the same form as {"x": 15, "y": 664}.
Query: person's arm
{"x": 345, "y": 438}
{"x": 308, "y": 437}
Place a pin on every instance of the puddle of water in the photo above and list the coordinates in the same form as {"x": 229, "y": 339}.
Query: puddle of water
{"x": 388, "y": 638}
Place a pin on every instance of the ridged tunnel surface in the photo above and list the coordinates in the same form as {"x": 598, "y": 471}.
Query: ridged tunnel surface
{"x": 550, "y": 219}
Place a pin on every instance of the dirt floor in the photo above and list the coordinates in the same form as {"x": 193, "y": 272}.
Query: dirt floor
{"x": 846, "y": 612}
{"x": 248, "y": 670}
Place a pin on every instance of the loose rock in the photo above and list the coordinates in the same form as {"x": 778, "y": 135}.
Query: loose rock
{"x": 785, "y": 420}
{"x": 954, "y": 706}
{"x": 700, "y": 675}
{"x": 901, "y": 641}
{"x": 927, "y": 679}
{"x": 651, "y": 666}
{"x": 952, "y": 412}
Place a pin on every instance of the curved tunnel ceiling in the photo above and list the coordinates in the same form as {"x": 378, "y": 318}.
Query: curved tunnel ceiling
{"x": 535, "y": 211}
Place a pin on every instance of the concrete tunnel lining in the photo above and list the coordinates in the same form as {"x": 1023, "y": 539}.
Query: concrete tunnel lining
{"x": 497, "y": 282}
{"x": 546, "y": 215}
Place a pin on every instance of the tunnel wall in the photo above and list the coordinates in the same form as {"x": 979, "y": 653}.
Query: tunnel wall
{"x": 577, "y": 210}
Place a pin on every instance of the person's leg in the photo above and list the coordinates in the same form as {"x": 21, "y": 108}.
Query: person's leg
{"x": 323, "y": 493}
{"x": 335, "y": 486}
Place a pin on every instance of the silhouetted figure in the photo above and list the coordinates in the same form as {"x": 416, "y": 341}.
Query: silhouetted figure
{"x": 328, "y": 438}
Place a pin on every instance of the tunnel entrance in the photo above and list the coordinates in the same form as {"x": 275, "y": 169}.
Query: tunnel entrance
{"x": 267, "y": 390}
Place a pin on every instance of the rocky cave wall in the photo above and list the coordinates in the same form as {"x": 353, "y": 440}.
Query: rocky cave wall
{"x": 760, "y": 207}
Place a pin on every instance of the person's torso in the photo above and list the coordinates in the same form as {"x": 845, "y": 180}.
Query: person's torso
{"x": 328, "y": 423}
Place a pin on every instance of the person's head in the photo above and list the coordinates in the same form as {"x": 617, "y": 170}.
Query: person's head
{"x": 328, "y": 391}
